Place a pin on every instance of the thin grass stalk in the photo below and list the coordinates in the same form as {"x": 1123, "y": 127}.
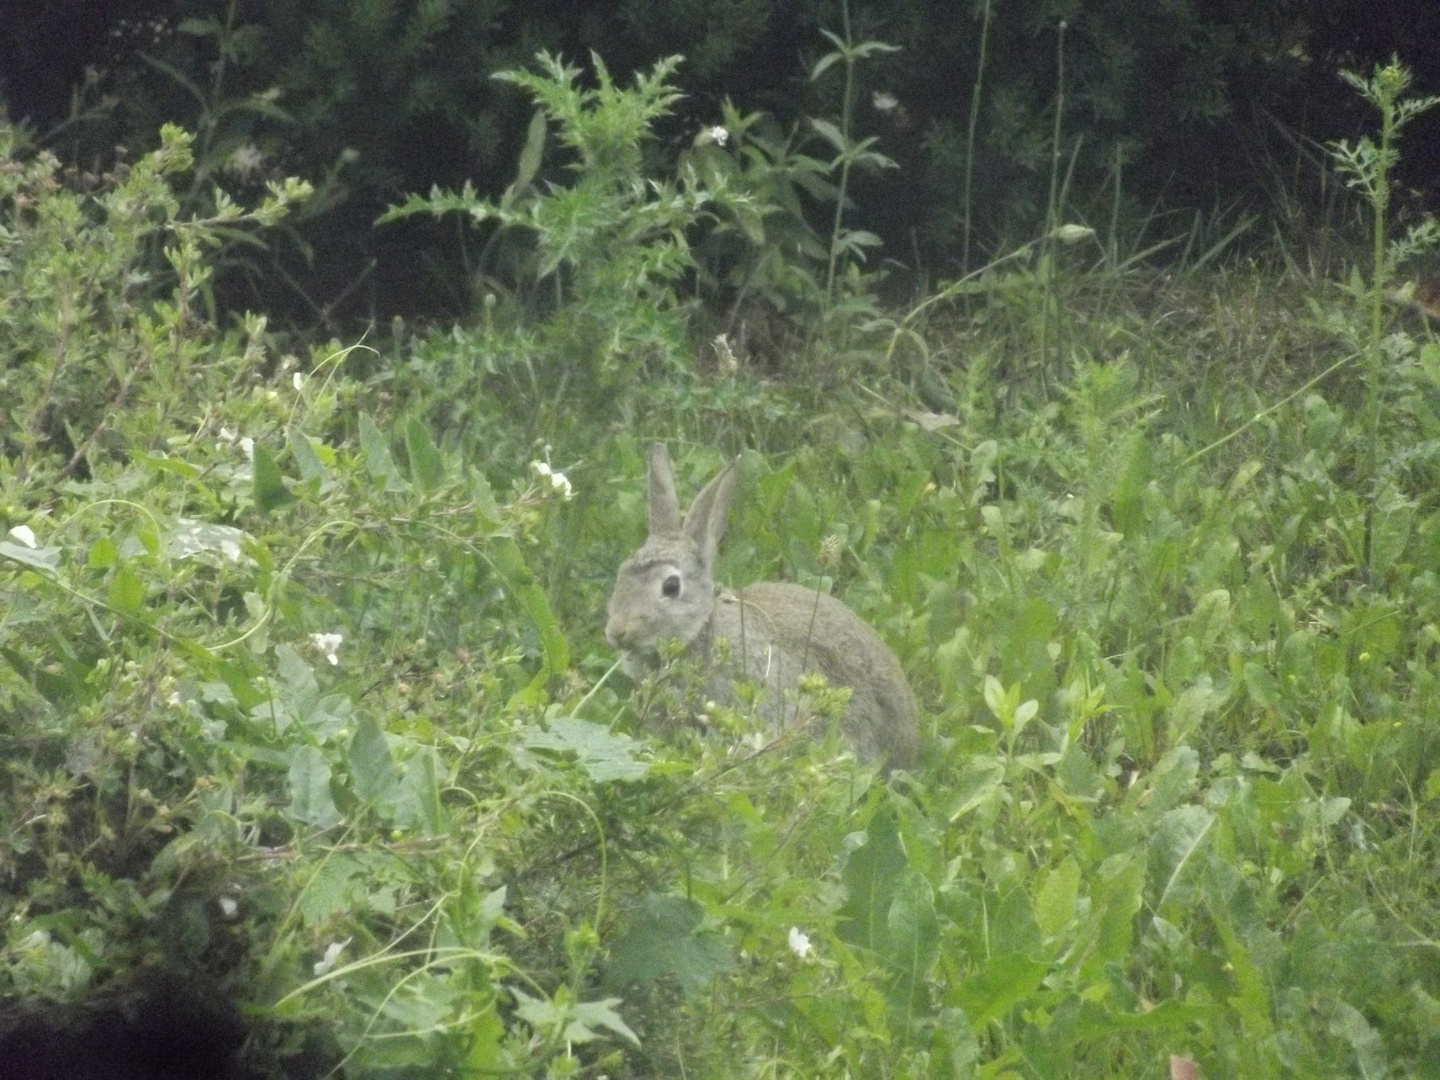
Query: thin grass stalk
{"x": 1052, "y": 210}
{"x": 975, "y": 95}
{"x": 846, "y": 111}
{"x": 1380, "y": 197}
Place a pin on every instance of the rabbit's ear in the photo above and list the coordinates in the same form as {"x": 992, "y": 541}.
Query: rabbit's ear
{"x": 706, "y": 518}
{"x": 664, "y": 506}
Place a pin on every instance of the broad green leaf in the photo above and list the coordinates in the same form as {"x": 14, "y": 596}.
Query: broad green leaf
{"x": 1173, "y": 780}
{"x": 417, "y": 802}
{"x": 572, "y": 1021}
{"x": 979, "y": 783}
{"x": 504, "y": 556}
{"x": 605, "y": 755}
{"x": 310, "y": 799}
{"x": 372, "y": 769}
{"x": 379, "y": 462}
{"x": 42, "y": 558}
{"x": 912, "y": 932}
{"x": 1174, "y": 846}
{"x": 269, "y": 486}
{"x": 297, "y": 680}
{"x": 1055, "y": 900}
{"x": 168, "y": 465}
{"x": 485, "y": 504}
{"x": 213, "y": 545}
{"x": 995, "y": 698}
{"x": 960, "y": 1045}
{"x": 1348, "y": 1023}
{"x": 664, "y": 938}
{"x": 485, "y": 1032}
{"x": 1107, "y": 931}
{"x": 874, "y": 864}
{"x": 1096, "y": 1021}
{"x": 102, "y": 553}
{"x": 1003, "y": 981}
{"x": 306, "y": 459}
{"x": 427, "y": 467}
{"x": 58, "y": 687}
{"x": 1228, "y": 905}
{"x": 127, "y": 591}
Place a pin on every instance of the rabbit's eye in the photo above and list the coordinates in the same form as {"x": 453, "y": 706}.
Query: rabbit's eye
{"x": 671, "y": 588}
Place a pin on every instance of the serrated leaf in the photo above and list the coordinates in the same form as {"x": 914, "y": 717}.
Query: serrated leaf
{"x": 269, "y": 485}
{"x": 665, "y": 938}
{"x": 102, "y": 554}
{"x": 485, "y": 1034}
{"x": 309, "y": 781}
{"x": 127, "y": 592}
{"x": 427, "y": 467}
{"x": 605, "y": 755}
{"x": 575, "y": 1022}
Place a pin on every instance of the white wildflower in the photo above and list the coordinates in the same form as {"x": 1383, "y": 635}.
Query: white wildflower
{"x": 714, "y": 134}
{"x": 245, "y": 161}
{"x": 328, "y": 644}
{"x": 558, "y": 481}
{"x": 24, "y": 534}
{"x": 799, "y": 943}
{"x": 884, "y": 101}
{"x": 229, "y": 906}
{"x": 298, "y": 381}
{"x": 725, "y": 355}
{"x": 332, "y": 954}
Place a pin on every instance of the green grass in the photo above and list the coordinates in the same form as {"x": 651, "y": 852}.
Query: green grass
{"x": 1177, "y": 661}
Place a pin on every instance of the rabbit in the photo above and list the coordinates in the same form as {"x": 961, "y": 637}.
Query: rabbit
{"x": 775, "y": 632}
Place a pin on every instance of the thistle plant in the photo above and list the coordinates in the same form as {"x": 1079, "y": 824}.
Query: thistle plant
{"x": 1366, "y": 166}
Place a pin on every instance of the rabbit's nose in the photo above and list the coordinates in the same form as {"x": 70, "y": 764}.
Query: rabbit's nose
{"x": 615, "y": 634}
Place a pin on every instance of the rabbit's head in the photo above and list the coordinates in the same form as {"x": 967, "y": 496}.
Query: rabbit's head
{"x": 666, "y": 590}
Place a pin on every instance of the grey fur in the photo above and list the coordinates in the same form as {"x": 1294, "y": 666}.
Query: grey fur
{"x": 775, "y": 631}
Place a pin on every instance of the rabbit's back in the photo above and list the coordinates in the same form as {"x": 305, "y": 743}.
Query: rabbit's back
{"x": 778, "y": 630}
